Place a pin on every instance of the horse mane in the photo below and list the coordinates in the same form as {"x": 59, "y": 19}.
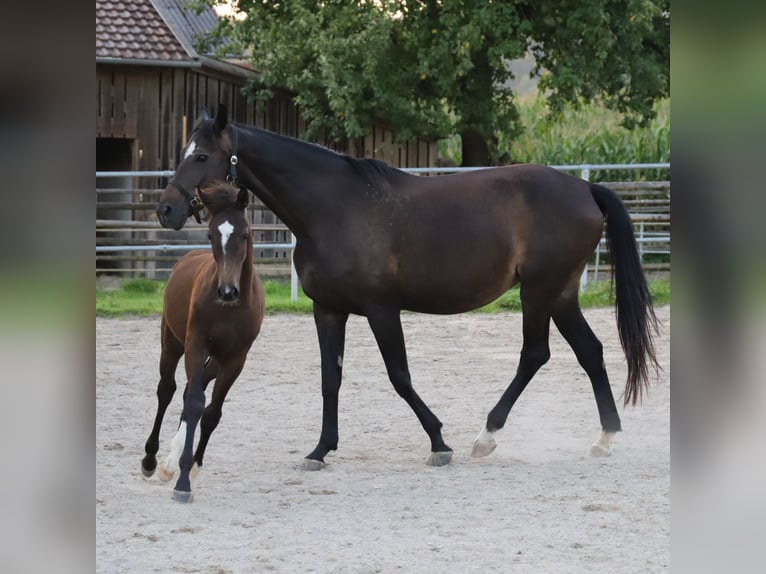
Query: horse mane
{"x": 373, "y": 171}
{"x": 219, "y": 196}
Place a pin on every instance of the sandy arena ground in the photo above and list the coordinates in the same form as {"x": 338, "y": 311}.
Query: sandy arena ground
{"x": 536, "y": 505}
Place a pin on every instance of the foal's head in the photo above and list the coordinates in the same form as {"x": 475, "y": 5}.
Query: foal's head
{"x": 230, "y": 236}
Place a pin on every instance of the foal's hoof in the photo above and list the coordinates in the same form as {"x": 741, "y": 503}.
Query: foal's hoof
{"x": 483, "y": 448}
{"x": 311, "y": 464}
{"x": 439, "y": 458}
{"x": 183, "y": 495}
{"x": 599, "y": 451}
{"x": 164, "y": 474}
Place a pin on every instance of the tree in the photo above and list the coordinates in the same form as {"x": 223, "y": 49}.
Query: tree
{"x": 436, "y": 67}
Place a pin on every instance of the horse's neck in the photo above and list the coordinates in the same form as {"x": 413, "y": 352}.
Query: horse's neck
{"x": 289, "y": 176}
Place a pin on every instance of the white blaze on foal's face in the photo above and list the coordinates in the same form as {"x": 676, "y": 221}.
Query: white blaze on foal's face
{"x": 225, "y": 229}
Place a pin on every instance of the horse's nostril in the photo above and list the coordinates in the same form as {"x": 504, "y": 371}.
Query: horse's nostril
{"x": 228, "y": 293}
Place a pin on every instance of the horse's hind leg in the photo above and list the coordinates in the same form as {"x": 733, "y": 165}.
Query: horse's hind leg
{"x": 172, "y": 349}
{"x": 387, "y": 327}
{"x": 211, "y": 416}
{"x": 534, "y": 354}
{"x": 589, "y": 352}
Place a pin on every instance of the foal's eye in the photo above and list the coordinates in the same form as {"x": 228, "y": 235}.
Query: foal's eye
{"x": 210, "y": 237}
{"x": 201, "y": 157}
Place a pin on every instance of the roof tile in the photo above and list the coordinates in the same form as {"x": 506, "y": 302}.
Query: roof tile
{"x": 133, "y": 29}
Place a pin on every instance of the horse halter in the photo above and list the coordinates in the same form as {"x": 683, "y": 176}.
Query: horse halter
{"x": 233, "y": 160}
{"x": 195, "y": 202}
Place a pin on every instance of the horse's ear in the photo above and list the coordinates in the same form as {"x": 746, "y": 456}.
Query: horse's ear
{"x": 243, "y": 198}
{"x": 221, "y": 117}
{"x": 203, "y": 114}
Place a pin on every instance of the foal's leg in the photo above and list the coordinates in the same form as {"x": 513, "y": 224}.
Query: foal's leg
{"x": 589, "y": 351}
{"x": 194, "y": 405}
{"x": 331, "y": 330}
{"x": 227, "y": 374}
{"x": 169, "y": 465}
{"x": 387, "y": 327}
{"x": 172, "y": 349}
{"x": 534, "y": 354}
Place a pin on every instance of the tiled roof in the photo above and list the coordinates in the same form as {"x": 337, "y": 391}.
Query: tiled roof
{"x": 136, "y": 29}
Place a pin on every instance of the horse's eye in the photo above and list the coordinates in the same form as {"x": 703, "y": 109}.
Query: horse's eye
{"x": 201, "y": 157}
{"x": 210, "y": 237}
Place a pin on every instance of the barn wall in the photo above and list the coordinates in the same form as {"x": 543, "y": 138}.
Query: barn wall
{"x": 157, "y": 106}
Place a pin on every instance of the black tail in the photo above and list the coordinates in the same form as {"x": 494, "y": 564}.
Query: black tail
{"x": 635, "y": 314}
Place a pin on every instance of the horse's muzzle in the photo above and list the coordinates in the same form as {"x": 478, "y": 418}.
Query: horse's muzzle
{"x": 228, "y": 294}
{"x": 170, "y": 217}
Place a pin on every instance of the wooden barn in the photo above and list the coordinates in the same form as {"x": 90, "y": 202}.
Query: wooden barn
{"x": 151, "y": 82}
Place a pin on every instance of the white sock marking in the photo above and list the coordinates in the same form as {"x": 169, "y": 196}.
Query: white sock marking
{"x": 605, "y": 440}
{"x": 485, "y": 437}
{"x": 176, "y": 448}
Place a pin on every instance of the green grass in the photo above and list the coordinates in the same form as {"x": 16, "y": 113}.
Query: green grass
{"x": 143, "y": 297}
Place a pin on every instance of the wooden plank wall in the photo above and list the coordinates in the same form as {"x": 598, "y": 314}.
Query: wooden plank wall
{"x": 156, "y": 106}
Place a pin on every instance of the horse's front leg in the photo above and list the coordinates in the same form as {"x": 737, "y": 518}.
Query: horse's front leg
{"x": 169, "y": 466}
{"x": 387, "y": 327}
{"x": 194, "y": 406}
{"x": 331, "y": 331}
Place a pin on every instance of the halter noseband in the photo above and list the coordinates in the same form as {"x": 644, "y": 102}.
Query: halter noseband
{"x": 195, "y": 203}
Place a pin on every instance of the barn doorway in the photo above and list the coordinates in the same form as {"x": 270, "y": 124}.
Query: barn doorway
{"x": 113, "y": 154}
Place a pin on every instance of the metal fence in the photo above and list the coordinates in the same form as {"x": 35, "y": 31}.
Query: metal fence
{"x": 131, "y": 236}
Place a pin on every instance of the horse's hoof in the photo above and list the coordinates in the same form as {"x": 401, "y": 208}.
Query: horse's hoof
{"x": 599, "y": 451}
{"x": 439, "y": 458}
{"x": 483, "y": 448}
{"x": 164, "y": 474}
{"x": 311, "y": 464}
{"x": 147, "y": 472}
{"x": 183, "y": 495}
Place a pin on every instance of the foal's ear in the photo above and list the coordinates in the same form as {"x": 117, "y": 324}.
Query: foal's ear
{"x": 243, "y": 197}
{"x": 221, "y": 117}
{"x": 203, "y": 114}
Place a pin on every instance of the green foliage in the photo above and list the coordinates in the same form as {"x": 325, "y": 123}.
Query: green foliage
{"x": 141, "y": 285}
{"x": 599, "y": 294}
{"x": 591, "y": 133}
{"x": 148, "y": 302}
{"x": 435, "y": 68}
{"x": 143, "y": 297}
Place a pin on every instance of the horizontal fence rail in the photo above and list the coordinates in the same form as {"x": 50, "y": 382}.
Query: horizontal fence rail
{"x": 130, "y": 241}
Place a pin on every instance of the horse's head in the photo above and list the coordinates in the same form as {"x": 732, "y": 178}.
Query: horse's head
{"x": 206, "y": 158}
{"x": 230, "y": 235}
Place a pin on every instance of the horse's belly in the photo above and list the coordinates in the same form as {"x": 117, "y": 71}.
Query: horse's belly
{"x": 456, "y": 290}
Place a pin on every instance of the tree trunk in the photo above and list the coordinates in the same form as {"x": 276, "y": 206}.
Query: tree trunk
{"x": 475, "y": 149}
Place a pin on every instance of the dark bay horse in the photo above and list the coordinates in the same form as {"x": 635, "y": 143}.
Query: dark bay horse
{"x": 212, "y": 312}
{"x": 373, "y": 240}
